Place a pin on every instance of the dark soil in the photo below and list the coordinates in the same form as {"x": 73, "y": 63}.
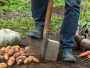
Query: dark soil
{"x": 81, "y": 62}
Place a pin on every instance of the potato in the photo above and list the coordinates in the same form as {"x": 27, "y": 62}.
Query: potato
{"x": 26, "y": 48}
{"x": 1, "y": 57}
{"x": 28, "y": 60}
{"x": 17, "y": 49}
{"x": 21, "y": 52}
{"x": 11, "y": 52}
{"x": 2, "y": 50}
{"x": 11, "y": 61}
{"x": 20, "y": 59}
{"x": 6, "y": 56}
{"x": 16, "y": 54}
{"x": 35, "y": 60}
{"x": 3, "y": 65}
{"x": 21, "y": 49}
{"x": 16, "y": 46}
{"x": 7, "y": 48}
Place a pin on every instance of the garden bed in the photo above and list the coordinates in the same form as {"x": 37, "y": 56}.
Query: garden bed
{"x": 25, "y": 41}
{"x": 50, "y": 64}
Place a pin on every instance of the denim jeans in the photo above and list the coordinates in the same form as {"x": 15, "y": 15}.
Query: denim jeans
{"x": 69, "y": 24}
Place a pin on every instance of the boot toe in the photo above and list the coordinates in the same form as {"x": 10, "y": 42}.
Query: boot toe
{"x": 35, "y": 33}
{"x": 67, "y": 56}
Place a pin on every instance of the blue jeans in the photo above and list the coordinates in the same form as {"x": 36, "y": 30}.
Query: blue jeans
{"x": 69, "y": 24}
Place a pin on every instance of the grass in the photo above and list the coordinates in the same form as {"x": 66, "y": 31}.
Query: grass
{"x": 14, "y": 5}
{"x": 58, "y": 3}
{"x": 23, "y": 25}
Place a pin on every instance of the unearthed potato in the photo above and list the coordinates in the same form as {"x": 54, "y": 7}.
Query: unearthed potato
{"x": 11, "y": 52}
{"x": 1, "y": 57}
{"x": 35, "y": 60}
{"x": 26, "y": 48}
{"x": 6, "y": 56}
{"x": 20, "y": 59}
{"x": 11, "y": 61}
{"x": 3, "y": 65}
{"x": 21, "y": 52}
{"x": 17, "y": 49}
{"x": 16, "y": 54}
{"x": 28, "y": 60}
{"x": 2, "y": 50}
{"x": 7, "y": 48}
{"x": 21, "y": 49}
{"x": 16, "y": 46}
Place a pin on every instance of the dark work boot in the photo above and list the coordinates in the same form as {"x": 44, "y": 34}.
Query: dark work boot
{"x": 67, "y": 56}
{"x": 36, "y": 33}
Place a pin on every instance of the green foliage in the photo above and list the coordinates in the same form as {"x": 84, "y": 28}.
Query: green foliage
{"x": 84, "y": 20}
{"x": 24, "y": 25}
{"x": 59, "y": 3}
{"x": 13, "y": 5}
{"x": 56, "y": 22}
{"x": 20, "y": 25}
{"x": 86, "y": 3}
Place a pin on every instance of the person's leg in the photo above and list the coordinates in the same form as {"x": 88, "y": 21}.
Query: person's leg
{"x": 69, "y": 26}
{"x": 38, "y": 8}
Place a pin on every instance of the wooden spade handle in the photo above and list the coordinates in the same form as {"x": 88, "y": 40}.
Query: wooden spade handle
{"x": 46, "y": 29}
{"x": 48, "y": 15}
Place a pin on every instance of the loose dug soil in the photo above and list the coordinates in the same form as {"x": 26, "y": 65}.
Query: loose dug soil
{"x": 80, "y": 63}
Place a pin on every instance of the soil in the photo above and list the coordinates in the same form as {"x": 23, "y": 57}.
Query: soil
{"x": 81, "y": 62}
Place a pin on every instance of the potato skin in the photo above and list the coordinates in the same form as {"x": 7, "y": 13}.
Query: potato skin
{"x": 20, "y": 59}
{"x": 3, "y": 65}
{"x": 11, "y": 61}
{"x": 35, "y": 60}
{"x": 6, "y": 56}
{"x": 2, "y": 50}
{"x": 16, "y": 46}
{"x": 21, "y": 52}
{"x": 11, "y": 52}
{"x": 1, "y": 57}
{"x": 21, "y": 49}
{"x": 28, "y": 60}
{"x": 26, "y": 48}
{"x": 7, "y": 48}
{"x": 16, "y": 54}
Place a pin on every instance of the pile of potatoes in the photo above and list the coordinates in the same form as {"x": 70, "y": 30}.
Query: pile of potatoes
{"x": 16, "y": 54}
